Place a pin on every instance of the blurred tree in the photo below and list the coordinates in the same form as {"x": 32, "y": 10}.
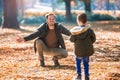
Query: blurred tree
{"x": 0, "y": 4}
{"x": 117, "y": 4}
{"x": 20, "y": 7}
{"x": 87, "y": 6}
{"x": 108, "y": 4}
{"x": 68, "y": 10}
{"x": 10, "y": 14}
{"x": 53, "y": 5}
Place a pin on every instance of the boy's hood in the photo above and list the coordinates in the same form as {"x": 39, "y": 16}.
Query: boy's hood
{"x": 78, "y": 29}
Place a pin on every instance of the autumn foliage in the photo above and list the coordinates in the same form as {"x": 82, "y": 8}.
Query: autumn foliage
{"x": 19, "y": 62}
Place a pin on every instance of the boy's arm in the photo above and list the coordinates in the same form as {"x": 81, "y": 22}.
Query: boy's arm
{"x": 93, "y": 36}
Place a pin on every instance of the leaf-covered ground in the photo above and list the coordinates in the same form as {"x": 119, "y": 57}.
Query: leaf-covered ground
{"x": 19, "y": 62}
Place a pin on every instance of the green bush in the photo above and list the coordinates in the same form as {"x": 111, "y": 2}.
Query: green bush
{"x": 32, "y": 20}
{"x": 0, "y": 20}
{"x": 39, "y": 20}
{"x": 99, "y": 17}
{"x": 74, "y": 16}
{"x": 61, "y": 18}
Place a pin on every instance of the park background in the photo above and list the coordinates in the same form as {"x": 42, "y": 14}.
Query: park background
{"x": 22, "y": 17}
{"x": 33, "y": 11}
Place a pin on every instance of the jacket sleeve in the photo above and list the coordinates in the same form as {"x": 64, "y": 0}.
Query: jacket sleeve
{"x": 64, "y": 30}
{"x": 35, "y": 34}
{"x": 72, "y": 38}
{"x": 32, "y": 36}
{"x": 93, "y": 36}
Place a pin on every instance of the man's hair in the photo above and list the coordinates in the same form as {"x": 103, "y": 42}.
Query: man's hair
{"x": 82, "y": 17}
{"x": 46, "y": 16}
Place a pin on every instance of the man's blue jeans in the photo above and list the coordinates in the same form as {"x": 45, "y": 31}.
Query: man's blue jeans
{"x": 85, "y": 63}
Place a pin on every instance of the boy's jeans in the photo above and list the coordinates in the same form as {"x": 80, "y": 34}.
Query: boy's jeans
{"x": 57, "y": 53}
{"x": 85, "y": 63}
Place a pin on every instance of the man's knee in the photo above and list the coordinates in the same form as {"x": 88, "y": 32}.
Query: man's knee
{"x": 40, "y": 45}
{"x": 65, "y": 53}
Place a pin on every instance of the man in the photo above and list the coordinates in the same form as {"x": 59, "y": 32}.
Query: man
{"x": 50, "y": 40}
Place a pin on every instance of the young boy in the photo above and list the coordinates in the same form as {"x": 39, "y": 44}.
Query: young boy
{"x": 83, "y": 37}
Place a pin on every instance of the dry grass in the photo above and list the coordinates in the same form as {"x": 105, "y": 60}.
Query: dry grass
{"x": 18, "y": 61}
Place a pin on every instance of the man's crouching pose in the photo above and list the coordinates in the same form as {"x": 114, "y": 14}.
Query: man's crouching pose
{"x": 50, "y": 40}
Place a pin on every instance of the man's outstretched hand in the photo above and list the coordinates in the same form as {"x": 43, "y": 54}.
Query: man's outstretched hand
{"x": 19, "y": 39}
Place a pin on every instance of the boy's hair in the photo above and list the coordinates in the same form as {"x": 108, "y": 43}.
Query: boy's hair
{"x": 82, "y": 17}
{"x": 46, "y": 16}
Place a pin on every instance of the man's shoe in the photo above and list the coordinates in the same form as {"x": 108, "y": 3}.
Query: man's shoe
{"x": 87, "y": 78}
{"x": 56, "y": 63}
{"x": 42, "y": 64}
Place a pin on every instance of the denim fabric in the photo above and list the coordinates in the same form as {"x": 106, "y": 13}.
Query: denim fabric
{"x": 85, "y": 61}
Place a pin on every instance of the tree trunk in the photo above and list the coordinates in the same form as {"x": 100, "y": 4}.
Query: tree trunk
{"x": 87, "y": 6}
{"x": 108, "y": 4}
{"x": 68, "y": 11}
{"x": 10, "y": 14}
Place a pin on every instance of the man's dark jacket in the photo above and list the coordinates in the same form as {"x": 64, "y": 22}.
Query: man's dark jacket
{"x": 42, "y": 32}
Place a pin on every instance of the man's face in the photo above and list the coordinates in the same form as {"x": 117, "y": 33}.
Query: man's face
{"x": 51, "y": 20}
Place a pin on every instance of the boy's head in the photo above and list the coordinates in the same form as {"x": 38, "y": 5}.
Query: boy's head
{"x": 81, "y": 18}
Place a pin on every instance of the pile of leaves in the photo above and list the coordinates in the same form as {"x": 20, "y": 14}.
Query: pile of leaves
{"x": 19, "y": 62}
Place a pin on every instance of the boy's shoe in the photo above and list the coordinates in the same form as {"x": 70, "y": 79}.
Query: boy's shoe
{"x": 87, "y": 78}
{"x": 42, "y": 64}
{"x": 56, "y": 63}
{"x": 78, "y": 77}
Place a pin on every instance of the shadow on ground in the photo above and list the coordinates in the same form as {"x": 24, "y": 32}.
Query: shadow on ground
{"x": 64, "y": 67}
